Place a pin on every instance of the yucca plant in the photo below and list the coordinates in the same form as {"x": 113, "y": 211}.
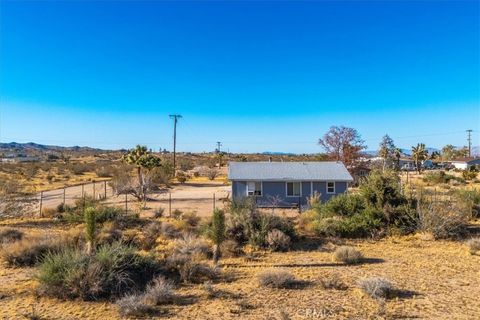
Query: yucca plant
{"x": 216, "y": 233}
{"x": 90, "y": 228}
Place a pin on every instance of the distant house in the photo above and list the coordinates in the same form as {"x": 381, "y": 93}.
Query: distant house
{"x": 406, "y": 164}
{"x": 20, "y": 159}
{"x": 466, "y": 163}
{"x": 287, "y": 184}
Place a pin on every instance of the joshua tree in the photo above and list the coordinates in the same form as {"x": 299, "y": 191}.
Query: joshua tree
{"x": 217, "y": 232}
{"x": 142, "y": 159}
{"x": 419, "y": 153}
{"x": 90, "y": 229}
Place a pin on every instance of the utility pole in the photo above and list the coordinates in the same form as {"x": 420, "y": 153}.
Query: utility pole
{"x": 175, "y": 118}
{"x": 219, "y": 144}
{"x": 469, "y": 132}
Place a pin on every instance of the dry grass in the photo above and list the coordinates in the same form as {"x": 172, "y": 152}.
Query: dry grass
{"x": 347, "y": 255}
{"x": 443, "y": 276}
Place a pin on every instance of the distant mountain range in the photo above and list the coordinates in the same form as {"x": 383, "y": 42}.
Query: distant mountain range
{"x": 31, "y": 146}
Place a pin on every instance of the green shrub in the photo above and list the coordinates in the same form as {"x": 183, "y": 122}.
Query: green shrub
{"x": 345, "y": 204}
{"x": 382, "y": 188}
{"x": 113, "y": 270}
{"x": 436, "y": 177}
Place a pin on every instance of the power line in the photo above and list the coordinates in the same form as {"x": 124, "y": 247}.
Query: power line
{"x": 175, "y": 118}
{"x": 469, "y": 132}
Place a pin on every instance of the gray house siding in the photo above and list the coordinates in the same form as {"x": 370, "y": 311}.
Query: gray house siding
{"x": 278, "y": 189}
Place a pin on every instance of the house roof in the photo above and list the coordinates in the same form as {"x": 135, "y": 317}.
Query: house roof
{"x": 466, "y": 160}
{"x": 289, "y": 171}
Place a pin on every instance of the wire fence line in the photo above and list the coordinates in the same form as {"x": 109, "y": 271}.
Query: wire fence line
{"x": 101, "y": 191}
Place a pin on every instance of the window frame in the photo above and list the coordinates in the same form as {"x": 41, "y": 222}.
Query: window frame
{"x": 300, "y": 189}
{"x": 254, "y": 195}
{"x": 334, "y": 187}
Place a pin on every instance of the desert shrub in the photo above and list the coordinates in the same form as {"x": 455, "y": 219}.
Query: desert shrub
{"x": 177, "y": 214}
{"x": 150, "y": 234}
{"x": 474, "y": 245}
{"x": 111, "y": 271}
{"x": 104, "y": 171}
{"x": 79, "y": 168}
{"x": 133, "y": 305}
{"x": 277, "y": 240}
{"x": 376, "y": 287}
{"x": 382, "y": 188}
{"x": 169, "y": 231}
{"x": 347, "y": 255}
{"x": 189, "y": 245}
{"x": 333, "y": 282}
{"x": 469, "y": 199}
{"x": 9, "y": 235}
{"x": 442, "y": 219}
{"x": 437, "y": 177}
{"x": 365, "y": 223}
{"x": 158, "y": 213}
{"x": 191, "y": 218}
{"x": 216, "y": 232}
{"x": 276, "y": 278}
{"x": 109, "y": 233}
{"x": 248, "y": 225}
{"x": 231, "y": 249}
{"x": 181, "y": 177}
{"x": 345, "y": 204}
{"x": 469, "y": 174}
{"x": 211, "y": 173}
{"x": 30, "y": 251}
{"x": 159, "y": 291}
{"x": 49, "y": 212}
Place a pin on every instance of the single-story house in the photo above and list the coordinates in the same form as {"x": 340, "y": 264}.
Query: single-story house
{"x": 466, "y": 163}
{"x": 406, "y": 164}
{"x": 287, "y": 184}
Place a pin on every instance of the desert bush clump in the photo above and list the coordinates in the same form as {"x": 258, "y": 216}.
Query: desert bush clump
{"x": 376, "y": 287}
{"x": 333, "y": 282}
{"x": 474, "y": 245}
{"x": 469, "y": 174}
{"x": 133, "y": 305}
{"x": 443, "y": 219}
{"x": 159, "y": 291}
{"x": 158, "y": 213}
{"x": 111, "y": 271}
{"x": 9, "y": 235}
{"x": 347, "y": 255}
{"x": 437, "y": 177}
{"x": 150, "y": 234}
{"x": 30, "y": 251}
{"x": 276, "y": 278}
{"x": 231, "y": 249}
{"x": 191, "y": 218}
{"x": 277, "y": 240}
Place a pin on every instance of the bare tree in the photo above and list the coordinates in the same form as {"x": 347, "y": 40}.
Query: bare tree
{"x": 211, "y": 173}
{"x": 343, "y": 144}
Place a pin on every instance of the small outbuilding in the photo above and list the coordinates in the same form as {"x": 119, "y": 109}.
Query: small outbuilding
{"x": 466, "y": 163}
{"x": 287, "y": 184}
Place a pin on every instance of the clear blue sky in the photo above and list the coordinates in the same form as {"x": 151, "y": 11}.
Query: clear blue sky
{"x": 258, "y": 76}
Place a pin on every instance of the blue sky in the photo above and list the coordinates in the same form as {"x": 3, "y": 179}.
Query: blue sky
{"x": 258, "y": 76}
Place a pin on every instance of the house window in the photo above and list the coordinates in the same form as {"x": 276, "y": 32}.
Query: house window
{"x": 254, "y": 188}
{"x": 330, "y": 187}
{"x": 293, "y": 189}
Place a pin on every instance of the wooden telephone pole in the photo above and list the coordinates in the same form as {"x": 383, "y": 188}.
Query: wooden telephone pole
{"x": 175, "y": 118}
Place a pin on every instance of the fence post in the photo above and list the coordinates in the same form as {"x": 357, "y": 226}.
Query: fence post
{"x": 41, "y": 198}
{"x": 93, "y": 190}
{"x": 83, "y": 207}
{"x": 214, "y": 201}
{"x": 105, "y": 188}
{"x": 170, "y": 204}
{"x": 83, "y": 185}
{"x": 126, "y": 203}
{"x": 64, "y": 196}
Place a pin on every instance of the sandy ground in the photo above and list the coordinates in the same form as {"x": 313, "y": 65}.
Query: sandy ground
{"x": 435, "y": 279}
